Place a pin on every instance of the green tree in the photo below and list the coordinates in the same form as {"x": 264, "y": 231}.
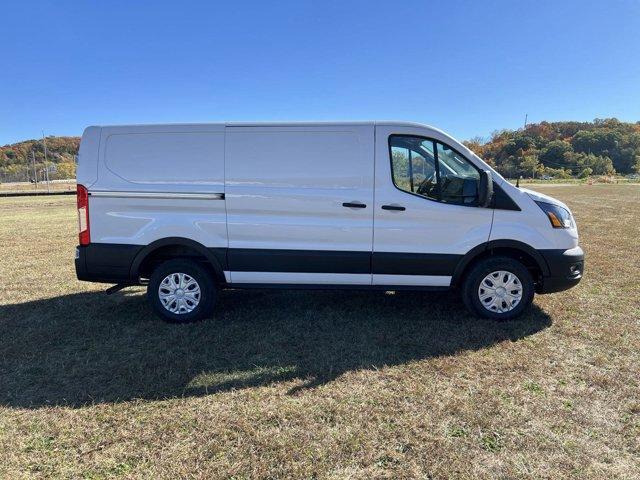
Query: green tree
{"x": 585, "y": 172}
{"x": 530, "y": 165}
{"x": 554, "y": 151}
{"x": 66, "y": 170}
{"x": 604, "y": 145}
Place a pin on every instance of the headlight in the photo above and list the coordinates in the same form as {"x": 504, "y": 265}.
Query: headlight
{"x": 558, "y": 216}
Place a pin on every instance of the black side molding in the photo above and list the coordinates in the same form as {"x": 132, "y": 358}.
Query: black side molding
{"x": 308, "y": 261}
{"x": 114, "y": 263}
{"x": 397, "y": 263}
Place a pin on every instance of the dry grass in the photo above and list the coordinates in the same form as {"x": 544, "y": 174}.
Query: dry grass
{"x": 40, "y": 188}
{"x": 318, "y": 384}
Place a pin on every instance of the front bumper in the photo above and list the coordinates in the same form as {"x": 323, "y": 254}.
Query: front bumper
{"x": 566, "y": 268}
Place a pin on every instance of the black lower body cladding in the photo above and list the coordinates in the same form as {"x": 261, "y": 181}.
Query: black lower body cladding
{"x": 106, "y": 262}
{"x": 328, "y": 261}
{"x": 566, "y": 268}
{"x": 115, "y": 263}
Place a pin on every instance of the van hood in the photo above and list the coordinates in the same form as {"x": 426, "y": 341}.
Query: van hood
{"x": 541, "y": 197}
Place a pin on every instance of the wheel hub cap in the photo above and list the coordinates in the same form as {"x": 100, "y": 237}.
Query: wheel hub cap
{"x": 179, "y": 293}
{"x": 500, "y": 291}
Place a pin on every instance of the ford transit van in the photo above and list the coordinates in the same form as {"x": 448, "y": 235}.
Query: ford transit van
{"x": 189, "y": 210}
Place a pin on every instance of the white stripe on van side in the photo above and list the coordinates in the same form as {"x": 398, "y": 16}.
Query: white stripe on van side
{"x": 415, "y": 280}
{"x": 302, "y": 278}
{"x": 337, "y": 278}
{"x": 161, "y": 195}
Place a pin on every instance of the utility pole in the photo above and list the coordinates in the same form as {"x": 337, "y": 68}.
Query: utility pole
{"x": 526, "y": 115}
{"x": 46, "y": 163}
{"x": 35, "y": 174}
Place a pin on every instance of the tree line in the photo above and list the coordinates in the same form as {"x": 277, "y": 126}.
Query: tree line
{"x": 17, "y": 160}
{"x": 563, "y": 149}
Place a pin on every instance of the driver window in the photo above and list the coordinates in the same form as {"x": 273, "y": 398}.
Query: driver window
{"x": 413, "y": 165}
{"x": 433, "y": 170}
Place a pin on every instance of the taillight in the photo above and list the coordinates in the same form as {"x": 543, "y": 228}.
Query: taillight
{"x": 83, "y": 214}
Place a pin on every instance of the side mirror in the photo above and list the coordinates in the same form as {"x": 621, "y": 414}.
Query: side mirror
{"x": 485, "y": 194}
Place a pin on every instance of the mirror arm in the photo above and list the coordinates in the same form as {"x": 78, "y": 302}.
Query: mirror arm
{"x": 486, "y": 185}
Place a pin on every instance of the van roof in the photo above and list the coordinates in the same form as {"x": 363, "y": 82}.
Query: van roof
{"x": 280, "y": 124}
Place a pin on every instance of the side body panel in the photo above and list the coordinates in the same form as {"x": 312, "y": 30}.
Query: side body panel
{"x": 285, "y": 190}
{"x": 155, "y": 182}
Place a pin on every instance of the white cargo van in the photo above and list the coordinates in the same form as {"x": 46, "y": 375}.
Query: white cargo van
{"x": 192, "y": 209}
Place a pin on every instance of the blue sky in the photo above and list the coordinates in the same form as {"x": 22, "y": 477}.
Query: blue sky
{"x": 467, "y": 67}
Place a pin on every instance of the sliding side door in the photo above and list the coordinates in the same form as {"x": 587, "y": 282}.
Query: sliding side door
{"x": 299, "y": 204}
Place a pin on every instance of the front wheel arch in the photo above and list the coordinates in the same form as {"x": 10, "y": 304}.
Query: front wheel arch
{"x": 523, "y": 253}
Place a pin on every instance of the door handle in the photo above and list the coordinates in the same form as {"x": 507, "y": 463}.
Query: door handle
{"x": 354, "y": 205}
{"x": 393, "y": 207}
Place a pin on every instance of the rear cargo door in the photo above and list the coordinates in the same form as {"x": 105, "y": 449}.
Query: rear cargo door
{"x": 299, "y": 204}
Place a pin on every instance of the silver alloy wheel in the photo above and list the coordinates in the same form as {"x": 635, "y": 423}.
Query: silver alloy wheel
{"x": 179, "y": 293}
{"x": 500, "y": 291}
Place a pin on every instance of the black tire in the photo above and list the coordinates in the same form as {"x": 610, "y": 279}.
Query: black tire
{"x": 471, "y": 286}
{"x": 204, "y": 280}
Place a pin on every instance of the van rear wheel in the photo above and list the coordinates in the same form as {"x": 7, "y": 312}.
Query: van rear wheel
{"x": 181, "y": 291}
{"x": 499, "y": 288}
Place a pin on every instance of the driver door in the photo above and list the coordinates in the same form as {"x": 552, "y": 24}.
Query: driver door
{"x": 425, "y": 215}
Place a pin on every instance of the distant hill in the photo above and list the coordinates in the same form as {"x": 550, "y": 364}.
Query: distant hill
{"x": 563, "y": 149}
{"x": 558, "y": 149}
{"x": 16, "y": 163}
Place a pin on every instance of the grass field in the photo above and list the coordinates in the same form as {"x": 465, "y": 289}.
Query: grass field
{"x": 318, "y": 384}
{"x": 56, "y": 186}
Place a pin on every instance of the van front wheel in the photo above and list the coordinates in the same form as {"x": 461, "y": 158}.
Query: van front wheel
{"x": 181, "y": 291}
{"x": 499, "y": 288}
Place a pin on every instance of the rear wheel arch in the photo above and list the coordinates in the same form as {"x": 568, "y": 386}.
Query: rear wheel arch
{"x": 514, "y": 249}
{"x": 175, "y": 247}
